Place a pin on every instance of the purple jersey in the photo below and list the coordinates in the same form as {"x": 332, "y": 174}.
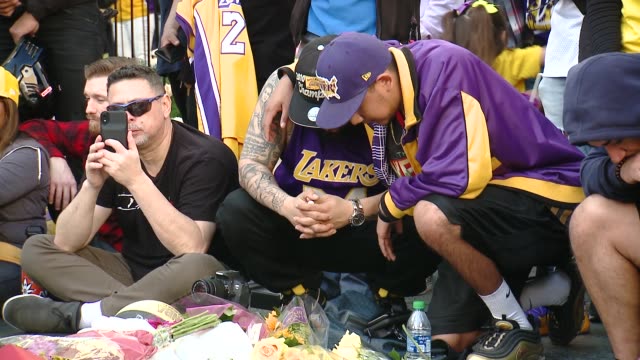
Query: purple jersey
{"x": 337, "y": 163}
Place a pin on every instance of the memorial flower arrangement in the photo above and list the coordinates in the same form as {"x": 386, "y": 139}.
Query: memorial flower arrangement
{"x": 293, "y": 333}
{"x": 167, "y": 332}
{"x": 350, "y": 347}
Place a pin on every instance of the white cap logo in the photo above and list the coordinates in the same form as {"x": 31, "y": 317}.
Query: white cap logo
{"x": 313, "y": 113}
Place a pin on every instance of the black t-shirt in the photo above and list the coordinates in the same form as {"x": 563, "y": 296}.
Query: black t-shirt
{"x": 197, "y": 174}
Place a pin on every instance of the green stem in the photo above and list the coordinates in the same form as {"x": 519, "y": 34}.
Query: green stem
{"x": 195, "y": 323}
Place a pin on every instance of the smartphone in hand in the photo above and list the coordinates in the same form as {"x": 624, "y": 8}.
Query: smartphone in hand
{"x": 114, "y": 125}
{"x": 171, "y": 53}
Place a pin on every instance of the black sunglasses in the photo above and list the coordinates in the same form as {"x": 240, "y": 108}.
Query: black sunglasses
{"x": 136, "y": 107}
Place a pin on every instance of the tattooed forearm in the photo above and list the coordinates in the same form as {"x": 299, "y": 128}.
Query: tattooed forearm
{"x": 259, "y": 182}
{"x": 256, "y": 147}
{"x": 259, "y": 155}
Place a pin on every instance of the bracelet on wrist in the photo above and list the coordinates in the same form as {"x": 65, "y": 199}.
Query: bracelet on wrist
{"x": 619, "y": 168}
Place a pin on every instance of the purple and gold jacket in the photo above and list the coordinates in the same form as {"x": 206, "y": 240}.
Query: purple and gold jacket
{"x": 466, "y": 128}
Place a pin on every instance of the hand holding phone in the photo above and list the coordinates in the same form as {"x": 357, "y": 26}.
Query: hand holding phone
{"x": 114, "y": 125}
{"x": 172, "y": 53}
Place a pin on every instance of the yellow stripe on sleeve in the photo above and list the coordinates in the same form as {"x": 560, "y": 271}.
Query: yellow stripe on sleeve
{"x": 392, "y": 208}
{"x": 479, "y": 164}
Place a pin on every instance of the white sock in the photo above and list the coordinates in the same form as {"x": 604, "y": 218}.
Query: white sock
{"x": 88, "y": 313}
{"x": 503, "y": 302}
{"x": 549, "y": 290}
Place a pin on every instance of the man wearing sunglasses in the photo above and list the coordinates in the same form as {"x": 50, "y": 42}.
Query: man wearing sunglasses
{"x": 165, "y": 187}
{"x": 68, "y": 143}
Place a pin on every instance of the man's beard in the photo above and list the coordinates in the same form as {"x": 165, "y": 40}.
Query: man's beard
{"x": 94, "y": 126}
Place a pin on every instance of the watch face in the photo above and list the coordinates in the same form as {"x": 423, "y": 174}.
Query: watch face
{"x": 357, "y": 219}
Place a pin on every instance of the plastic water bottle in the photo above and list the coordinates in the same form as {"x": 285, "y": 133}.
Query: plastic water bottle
{"x": 420, "y": 330}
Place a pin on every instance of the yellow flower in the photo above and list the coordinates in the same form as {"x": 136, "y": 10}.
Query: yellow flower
{"x": 272, "y": 321}
{"x": 268, "y": 349}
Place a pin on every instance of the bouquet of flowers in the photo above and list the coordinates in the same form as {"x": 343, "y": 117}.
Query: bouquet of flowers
{"x": 276, "y": 349}
{"x": 301, "y": 322}
{"x": 165, "y": 333}
{"x": 350, "y": 347}
{"x": 227, "y": 310}
{"x": 67, "y": 348}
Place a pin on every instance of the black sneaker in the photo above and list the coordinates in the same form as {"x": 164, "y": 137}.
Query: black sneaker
{"x": 508, "y": 342}
{"x": 389, "y": 324}
{"x": 440, "y": 350}
{"x": 35, "y": 314}
{"x": 565, "y": 321}
{"x": 392, "y": 304}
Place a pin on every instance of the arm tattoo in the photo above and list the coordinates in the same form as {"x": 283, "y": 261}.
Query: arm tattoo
{"x": 259, "y": 155}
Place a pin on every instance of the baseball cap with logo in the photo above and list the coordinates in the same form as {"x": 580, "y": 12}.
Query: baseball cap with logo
{"x": 347, "y": 67}
{"x": 307, "y": 95}
{"x": 9, "y": 87}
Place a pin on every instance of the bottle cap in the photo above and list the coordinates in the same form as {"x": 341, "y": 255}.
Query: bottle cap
{"x": 418, "y": 305}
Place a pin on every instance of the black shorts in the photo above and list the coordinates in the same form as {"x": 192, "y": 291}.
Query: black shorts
{"x": 516, "y": 230}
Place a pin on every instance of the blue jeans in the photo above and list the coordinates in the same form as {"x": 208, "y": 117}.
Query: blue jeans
{"x": 334, "y": 283}
{"x": 551, "y": 93}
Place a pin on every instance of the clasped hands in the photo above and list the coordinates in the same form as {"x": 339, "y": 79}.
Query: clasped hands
{"x": 317, "y": 215}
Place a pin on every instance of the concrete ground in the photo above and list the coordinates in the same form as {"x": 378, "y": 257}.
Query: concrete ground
{"x": 594, "y": 345}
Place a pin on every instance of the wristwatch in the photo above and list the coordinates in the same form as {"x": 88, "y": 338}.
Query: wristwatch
{"x": 357, "y": 218}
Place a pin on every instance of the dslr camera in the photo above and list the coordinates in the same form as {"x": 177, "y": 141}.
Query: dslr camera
{"x": 226, "y": 284}
{"x": 231, "y": 285}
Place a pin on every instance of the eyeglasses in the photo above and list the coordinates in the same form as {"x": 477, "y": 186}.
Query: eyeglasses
{"x": 136, "y": 107}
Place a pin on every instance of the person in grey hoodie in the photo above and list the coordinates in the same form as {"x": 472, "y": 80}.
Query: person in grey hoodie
{"x": 602, "y": 109}
{"x": 24, "y": 186}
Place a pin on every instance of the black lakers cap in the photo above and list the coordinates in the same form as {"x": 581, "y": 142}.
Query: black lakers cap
{"x": 307, "y": 95}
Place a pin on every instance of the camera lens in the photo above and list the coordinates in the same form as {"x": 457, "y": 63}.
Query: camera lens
{"x": 201, "y": 286}
{"x": 212, "y": 286}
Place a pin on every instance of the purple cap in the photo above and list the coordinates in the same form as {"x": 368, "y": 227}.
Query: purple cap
{"x": 346, "y": 68}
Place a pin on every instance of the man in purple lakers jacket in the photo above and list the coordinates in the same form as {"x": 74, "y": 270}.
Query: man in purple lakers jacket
{"x": 488, "y": 179}
{"x": 309, "y": 199}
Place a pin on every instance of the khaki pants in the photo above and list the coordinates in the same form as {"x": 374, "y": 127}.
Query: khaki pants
{"x": 93, "y": 274}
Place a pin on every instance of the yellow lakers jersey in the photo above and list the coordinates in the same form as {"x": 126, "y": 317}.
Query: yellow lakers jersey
{"x": 225, "y": 89}
{"x": 128, "y": 9}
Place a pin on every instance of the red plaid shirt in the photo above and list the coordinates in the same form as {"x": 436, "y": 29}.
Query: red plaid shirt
{"x": 71, "y": 139}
